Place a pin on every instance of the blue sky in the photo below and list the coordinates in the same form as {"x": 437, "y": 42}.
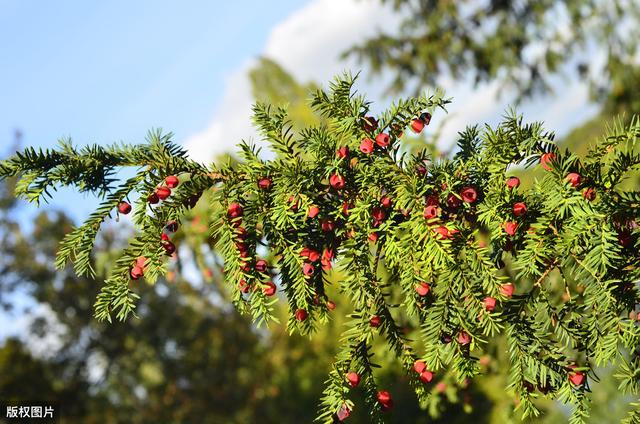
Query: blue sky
{"x": 109, "y": 71}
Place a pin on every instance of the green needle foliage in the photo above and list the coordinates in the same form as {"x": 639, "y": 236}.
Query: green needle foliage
{"x": 423, "y": 242}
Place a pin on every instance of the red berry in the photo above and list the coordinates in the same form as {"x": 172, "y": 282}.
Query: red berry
{"x": 313, "y": 255}
{"x": 513, "y": 182}
{"x": 234, "y": 210}
{"x": 153, "y": 198}
{"x": 136, "y": 272}
{"x": 577, "y": 378}
{"x": 442, "y": 232}
{"x": 172, "y": 181}
{"x": 301, "y": 315}
{"x": 243, "y": 286}
{"x": 421, "y": 170}
{"x": 546, "y": 159}
{"x": 419, "y": 366}
{"x": 574, "y": 179}
{"x": 453, "y": 202}
{"x": 171, "y": 226}
{"x": 264, "y": 183}
{"x": 140, "y": 262}
{"x": 163, "y": 192}
{"x": 313, "y": 211}
{"x": 441, "y": 387}
{"x": 417, "y": 126}
{"x": 353, "y": 379}
{"x": 342, "y": 152}
{"x": 375, "y": 321}
{"x": 331, "y": 305}
{"x": 366, "y": 146}
{"x": 343, "y": 413}
{"x": 464, "y": 338}
{"x": 345, "y": 208}
{"x": 261, "y": 265}
{"x": 270, "y": 289}
{"x": 164, "y": 237}
{"x": 382, "y": 140}
{"x": 378, "y": 214}
{"x": 431, "y": 212}
{"x": 336, "y": 181}
{"x": 507, "y": 290}
{"x": 373, "y": 237}
{"x": 386, "y": 202}
{"x": 425, "y": 117}
{"x": 327, "y": 225}
{"x": 385, "y": 400}
{"x": 426, "y": 376}
{"x": 308, "y": 269}
{"x": 519, "y": 209}
{"x": 589, "y": 193}
{"x": 510, "y": 227}
{"x": 169, "y": 247}
{"x": 370, "y": 124}
{"x": 422, "y": 289}
{"x": 469, "y": 194}
{"x": 124, "y": 208}
{"x": 489, "y": 303}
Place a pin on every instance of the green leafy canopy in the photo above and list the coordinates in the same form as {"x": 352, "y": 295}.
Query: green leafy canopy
{"x": 423, "y": 242}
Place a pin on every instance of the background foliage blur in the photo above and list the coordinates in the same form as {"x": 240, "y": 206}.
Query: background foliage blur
{"x": 190, "y": 357}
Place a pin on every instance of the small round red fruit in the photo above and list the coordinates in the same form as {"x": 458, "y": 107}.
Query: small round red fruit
{"x": 589, "y": 193}
{"x": 337, "y": 181}
{"x": 431, "y": 212}
{"x": 168, "y": 247}
{"x": 382, "y": 140}
{"x": 426, "y": 376}
{"x": 327, "y": 225}
{"x": 313, "y": 211}
{"x": 172, "y": 181}
{"x": 546, "y": 159}
{"x": 464, "y": 338}
{"x": 375, "y": 321}
{"x": 507, "y": 290}
{"x": 419, "y": 366}
{"x": 417, "y": 126}
{"x": 422, "y": 289}
{"x": 136, "y": 272}
{"x": 489, "y": 303}
{"x": 331, "y": 305}
{"x": 453, "y": 202}
{"x": 301, "y": 315}
{"x": 519, "y": 209}
{"x": 153, "y": 198}
{"x": 163, "y": 192}
{"x": 353, "y": 378}
{"x": 342, "y": 152}
{"x": 261, "y": 265}
{"x": 366, "y": 146}
{"x": 385, "y": 400}
{"x": 270, "y": 288}
{"x": 574, "y": 179}
{"x": 513, "y": 182}
{"x": 124, "y": 208}
{"x": 264, "y": 183}
{"x": 308, "y": 269}
{"x": 469, "y": 194}
{"x": 510, "y": 227}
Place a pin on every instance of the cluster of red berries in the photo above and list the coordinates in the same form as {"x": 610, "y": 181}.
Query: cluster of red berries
{"x": 235, "y": 213}
{"x": 164, "y": 191}
{"x": 433, "y": 210}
